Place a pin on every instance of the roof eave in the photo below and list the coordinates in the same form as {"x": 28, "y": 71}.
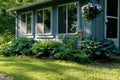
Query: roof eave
{"x": 28, "y": 5}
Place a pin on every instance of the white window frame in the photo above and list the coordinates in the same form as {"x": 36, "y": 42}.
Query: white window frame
{"x": 26, "y": 22}
{"x": 116, "y": 40}
{"x": 43, "y": 22}
{"x": 67, "y": 17}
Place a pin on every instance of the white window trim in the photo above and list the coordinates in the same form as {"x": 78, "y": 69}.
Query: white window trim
{"x": 66, "y": 18}
{"x": 26, "y": 23}
{"x": 118, "y": 24}
{"x": 43, "y": 22}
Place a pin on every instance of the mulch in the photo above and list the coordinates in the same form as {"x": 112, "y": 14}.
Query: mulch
{"x": 4, "y": 77}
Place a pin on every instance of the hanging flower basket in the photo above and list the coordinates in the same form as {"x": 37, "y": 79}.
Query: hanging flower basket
{"x": 90, "y": 11}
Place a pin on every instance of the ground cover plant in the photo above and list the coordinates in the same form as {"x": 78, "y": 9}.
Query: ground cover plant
{"x": 46, "y": 48}
{"x": 24, "y": 68}
{"x": 18, "y": 47}
{"x": 99, "y": 49}
{"x": 72, "y": 55}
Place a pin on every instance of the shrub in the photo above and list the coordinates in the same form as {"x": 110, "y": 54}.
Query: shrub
{"x": 18, "y": 47}
{"x": 72, "y": 55}
{"x": 7, "y": 49}
{"x": 6, "y": 37}
{"x": 99, "y": 49}
{"x": 23, "y": 46}
{"x": 46, "y": 48}
{"x": 69, "y": 41}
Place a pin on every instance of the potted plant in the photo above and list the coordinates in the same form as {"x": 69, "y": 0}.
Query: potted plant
{"x": 90, "y": 11}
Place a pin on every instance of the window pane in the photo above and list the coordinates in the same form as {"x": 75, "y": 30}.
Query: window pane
{"x": 47, "y": 19}
{"x": 72, "y": 18}
{"x": 40, "y": 24}
{"x": 62, "y": 19}
{"x": 111, "y": 28}
{"x": 112, "y": 7}
{"x": 23, "y": 24}
{"x": 29, "y": 23}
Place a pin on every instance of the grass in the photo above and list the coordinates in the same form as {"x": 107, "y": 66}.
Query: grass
{"x": 24, "y": 68}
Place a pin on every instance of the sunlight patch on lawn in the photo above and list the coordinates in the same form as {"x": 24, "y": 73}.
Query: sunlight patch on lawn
{"x": 24, "y": 68}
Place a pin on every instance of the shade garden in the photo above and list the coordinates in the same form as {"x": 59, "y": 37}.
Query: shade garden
{"x": 27, "y": 59}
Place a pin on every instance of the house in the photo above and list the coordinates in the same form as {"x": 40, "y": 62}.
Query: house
{"x": 50, "y": 19}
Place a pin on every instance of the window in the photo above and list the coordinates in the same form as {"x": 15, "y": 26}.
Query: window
{"x": 43, "y": 21}
{"x": 67, "y": 18}
{"x": 26, "y": 23}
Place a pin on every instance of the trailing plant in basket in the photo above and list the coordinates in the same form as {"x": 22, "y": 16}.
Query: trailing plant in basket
{"x": 90, "y": 11}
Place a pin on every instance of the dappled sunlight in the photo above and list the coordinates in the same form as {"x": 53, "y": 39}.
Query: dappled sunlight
{"x": 24, "y": 68}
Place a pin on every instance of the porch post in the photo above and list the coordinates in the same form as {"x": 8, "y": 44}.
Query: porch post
{"x": 34, "y": 24}
{"x": 17, "y": 22}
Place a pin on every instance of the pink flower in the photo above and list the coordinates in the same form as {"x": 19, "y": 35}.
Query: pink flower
{"x": 83, "y": 9}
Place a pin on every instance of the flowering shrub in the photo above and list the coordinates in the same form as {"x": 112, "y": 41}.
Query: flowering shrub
{"x": 90, "y": 11}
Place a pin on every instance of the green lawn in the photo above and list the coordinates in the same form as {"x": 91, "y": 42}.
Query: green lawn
{"x": 23, "y": 68}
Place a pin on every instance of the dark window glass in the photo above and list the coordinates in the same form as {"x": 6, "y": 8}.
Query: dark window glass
{"x": 23, "y": 24}
{"x": 44, "y": 21}
{"x": 72, "y": 18}
{"x": 29, "y": 23}
{"x": 111, "y": 28}
{"x": 47, "y": 21}
{"x": 62, "y": 19}
{"x": 40, "y": 24}
{"x": 112, "y": 8}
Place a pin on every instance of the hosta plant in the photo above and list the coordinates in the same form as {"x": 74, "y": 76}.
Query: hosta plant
{"x": 101, "y": 49}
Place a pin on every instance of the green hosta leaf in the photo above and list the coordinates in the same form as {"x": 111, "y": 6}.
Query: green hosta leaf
{"x": 98, "y": 52}
{"x": 104, "y": 49}
{"x": 107, "y": 53}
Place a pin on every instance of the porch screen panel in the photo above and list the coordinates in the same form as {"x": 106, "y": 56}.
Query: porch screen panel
{"x": 112, "y": 18}
{"x": 112, "y": 28}
{"x": 72, "y": 18}
{"x": 23, "y": 24}
{"x": 62, "y": 19}
{"x": 112, "y": 7}
{"x": 47, "y": 20}
{"x": 40, "y": 24}
{"x": 29, "y": 23}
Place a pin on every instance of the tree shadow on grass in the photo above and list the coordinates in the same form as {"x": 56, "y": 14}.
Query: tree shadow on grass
{"x": 50, "y": 66}
{"x": 113, "y": 64}
{"x": 21, "y": 68}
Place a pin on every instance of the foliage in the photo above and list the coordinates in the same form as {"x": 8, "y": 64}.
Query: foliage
{"x": 23, "y": 46}
{"x": 7, "y": 49}
{"x": 46, "y": 48}
{"x": 72, "y": 55}
{"x": 104, "y": 47}
{"x": 69, "y": 41}
{"x": 18, "y": 47}
{"x": 90, "y": 11}
{"x": 6, "y": 37}
{"x": 7, "y": 22}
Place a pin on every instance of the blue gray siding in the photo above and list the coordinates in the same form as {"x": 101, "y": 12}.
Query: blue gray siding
{"x": 93, "y": 29}
{"x": 98, "y": 23}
